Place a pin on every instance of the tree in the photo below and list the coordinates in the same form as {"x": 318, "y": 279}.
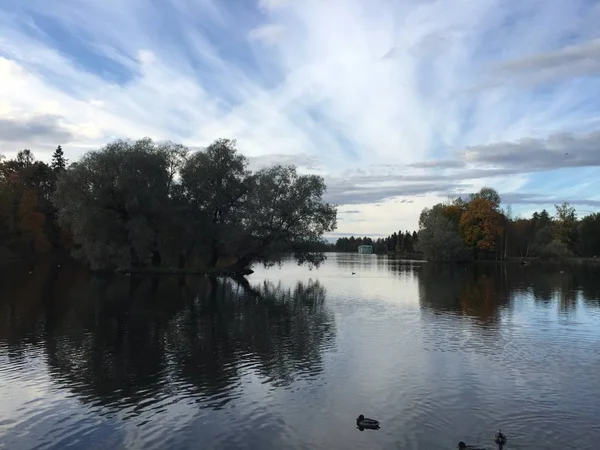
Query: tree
{"x": 175, "y": 156}
{"x": 7, "y": 216}
{"x": 589, "y": 235}
{"x": 23, "y": 179}
{"x": 557, "y": 249}
{"x": 454, "y": 212}
{"x": 284, "y": 212}
{"x": 565, "y": 225}
{"x": 59, "y": 162}
{"x": 126, "y": 207}
{"x": 540, "y": 232}
{"x": 25, "y": 158}
{"x": 353, "y": 244}
{"x": 114, "y": 201}
{"x": 380, "y": 246}
{"x": 480, "y": 224}
{"x": 215, "y": 183}
{"x": 438, "y": 238}
{"x": 407, "y": 243}
{"x": 31, "y": 223}
{"x": 489, "y": 194}
{"x": 399, "y": 242}
{"x": 520, "y": 241}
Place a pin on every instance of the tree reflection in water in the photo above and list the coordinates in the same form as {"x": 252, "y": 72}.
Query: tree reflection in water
{"x": 474, "y": 291}
{"x": 480, "y": 291}
{"x": 124, "y": 340}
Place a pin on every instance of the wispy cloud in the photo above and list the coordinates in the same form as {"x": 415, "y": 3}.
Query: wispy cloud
{"x": 411, "y": 100}
{"x": 578, "y": 60}
{"x": 267, "y": 34}
{"x": 557, "y": 151}
{"x": 545, "y": 200}
{"x": 304, "y": 161}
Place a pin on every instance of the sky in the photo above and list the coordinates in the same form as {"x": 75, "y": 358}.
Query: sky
{"x": 398, "y": 104}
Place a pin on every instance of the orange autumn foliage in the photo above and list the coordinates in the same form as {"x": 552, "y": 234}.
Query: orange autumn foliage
{"x": 31, "y": 222}
{"x": 480, "y": 224}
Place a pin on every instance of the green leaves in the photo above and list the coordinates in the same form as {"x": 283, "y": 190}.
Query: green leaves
{"x": 285, "y": 211}
{"x": 138, "y": 202}
{"x": 439, "y": 239}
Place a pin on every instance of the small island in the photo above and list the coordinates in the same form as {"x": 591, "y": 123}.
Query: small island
{"x": 146, "y": 207}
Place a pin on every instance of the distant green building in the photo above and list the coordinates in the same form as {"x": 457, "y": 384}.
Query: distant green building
{"x": 365, "y": 249}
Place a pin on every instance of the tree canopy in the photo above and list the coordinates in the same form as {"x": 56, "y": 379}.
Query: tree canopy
{"x": 439, "y": 240}
{"x": 136, "y": 204}
{"x": 490, "y": 233}
{"x": 477, "y": 226}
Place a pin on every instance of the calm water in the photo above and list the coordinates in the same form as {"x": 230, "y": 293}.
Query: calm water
{"x": 437, "y": 353}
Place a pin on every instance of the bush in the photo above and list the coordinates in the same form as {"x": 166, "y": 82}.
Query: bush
{"x": 557, "y": 249}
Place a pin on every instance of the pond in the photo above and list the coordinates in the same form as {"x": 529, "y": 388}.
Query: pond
{"x": 437, "y": 353}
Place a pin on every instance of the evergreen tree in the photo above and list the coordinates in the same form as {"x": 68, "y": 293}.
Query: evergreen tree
{"x": 59, "y": 162}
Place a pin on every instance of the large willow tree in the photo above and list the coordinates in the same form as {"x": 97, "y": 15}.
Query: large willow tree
{"x": 138, "y": 204}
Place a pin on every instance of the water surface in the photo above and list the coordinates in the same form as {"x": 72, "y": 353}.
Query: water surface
{"x": 438, "y": 353}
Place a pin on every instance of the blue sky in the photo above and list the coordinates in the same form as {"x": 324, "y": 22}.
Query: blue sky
{"x": 398, "y": 104}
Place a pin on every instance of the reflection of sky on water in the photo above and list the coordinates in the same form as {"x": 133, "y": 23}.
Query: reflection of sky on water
{"x": 437, "y": 355}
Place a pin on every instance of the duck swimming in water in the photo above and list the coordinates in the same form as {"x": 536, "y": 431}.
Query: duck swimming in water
{"x": 500, "y": 438}
{"x": 462, "y": 446}
{"x": 363, "y": 422}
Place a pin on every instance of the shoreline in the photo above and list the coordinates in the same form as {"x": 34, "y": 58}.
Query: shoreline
{"x": 9, "y": 260}
{"x": 528, "y": 261}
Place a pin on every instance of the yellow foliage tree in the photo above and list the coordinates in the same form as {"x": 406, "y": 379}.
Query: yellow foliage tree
{"x": 454, "y": 212}
{"x": 480, "y": 224}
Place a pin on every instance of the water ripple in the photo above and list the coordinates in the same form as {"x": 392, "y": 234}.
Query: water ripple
{"x": 438, "y": 355}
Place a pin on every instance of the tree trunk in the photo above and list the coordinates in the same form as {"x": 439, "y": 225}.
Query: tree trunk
{"x": 214, "y": 254}
{"x": 182, "y": 259}
{"x": 156, "y": 258}
{"x": 241, "y": 265}
{"x": 135, "y": 259}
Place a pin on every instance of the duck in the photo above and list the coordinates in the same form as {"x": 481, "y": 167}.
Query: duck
{"x": 364, "y": 422}
{"x": 462, "y": 446}
{"x": 500, "y": 438}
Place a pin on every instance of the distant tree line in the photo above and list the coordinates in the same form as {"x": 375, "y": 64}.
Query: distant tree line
{"x": 399, "y": 243}
{"x": 141, "y": 204}
{"x": 477, "y": 228}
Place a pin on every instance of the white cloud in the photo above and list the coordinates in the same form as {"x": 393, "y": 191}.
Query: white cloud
{"x": 267, "y": 34}
{"x": 270, "y": 5}
{"x": 342, "y": 85}
{"x": 146, "y": 57}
